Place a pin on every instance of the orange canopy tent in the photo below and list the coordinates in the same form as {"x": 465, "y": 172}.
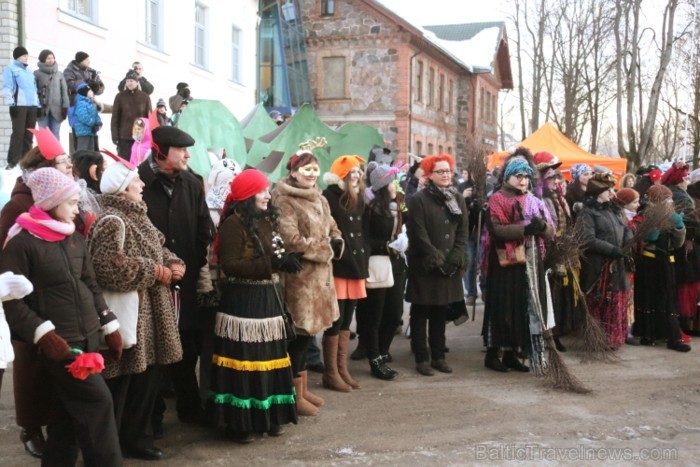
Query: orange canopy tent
{"x": 549, "y": 138}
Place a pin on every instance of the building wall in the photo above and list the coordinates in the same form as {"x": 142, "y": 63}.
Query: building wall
{"x": 116, "y": 38}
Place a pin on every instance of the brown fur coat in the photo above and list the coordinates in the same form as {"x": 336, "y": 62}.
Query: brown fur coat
{"x": 158, "y": 340}
{"x": 306, "y": 225}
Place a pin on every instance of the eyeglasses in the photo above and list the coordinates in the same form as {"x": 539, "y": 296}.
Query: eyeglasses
{"x": 62, "y": 161}
{"x": 442, "y": 172}
{"x": 521, "y": 176}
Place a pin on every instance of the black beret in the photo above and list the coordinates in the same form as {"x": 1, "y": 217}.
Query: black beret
{"x": 166, "y": 136}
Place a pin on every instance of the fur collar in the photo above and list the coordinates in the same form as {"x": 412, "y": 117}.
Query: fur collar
{"x": 283, "y": 187}
{"x": 329, "y": 178}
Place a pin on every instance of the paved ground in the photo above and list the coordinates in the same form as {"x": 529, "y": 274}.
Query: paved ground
{"x": 644, "y": 406}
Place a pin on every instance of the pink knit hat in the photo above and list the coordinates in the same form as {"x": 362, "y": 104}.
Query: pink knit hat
{"x": 51, "y": 187}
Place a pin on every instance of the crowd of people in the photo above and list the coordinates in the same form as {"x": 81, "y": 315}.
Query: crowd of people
{"x": 134, "y": 273}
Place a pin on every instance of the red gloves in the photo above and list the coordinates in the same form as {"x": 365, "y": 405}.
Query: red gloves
{"x": 54, "y": 347}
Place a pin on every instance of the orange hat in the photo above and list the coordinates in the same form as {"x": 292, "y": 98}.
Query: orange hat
{"x": 344, "y": 164}
{"x": 49, "y": 146}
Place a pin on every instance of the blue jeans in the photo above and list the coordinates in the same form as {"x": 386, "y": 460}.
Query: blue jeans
{"x": 52, "y": 124}
{"x": 469, "y": 278}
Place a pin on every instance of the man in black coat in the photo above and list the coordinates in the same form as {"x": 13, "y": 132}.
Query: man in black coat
{"x": 176, "y": 206}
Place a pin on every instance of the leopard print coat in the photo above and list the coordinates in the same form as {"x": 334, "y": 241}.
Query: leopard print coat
{"x": 123, "y": 270}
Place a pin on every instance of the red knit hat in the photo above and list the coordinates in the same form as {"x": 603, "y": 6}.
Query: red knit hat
{"x": 248, "y": 183}
{"x": 626, "y": 196}
{"x": 545, "y": 160}
{"x": 49, "y": 146}
{"x": 658, "y": 193}
{"x": 675, "y": 174}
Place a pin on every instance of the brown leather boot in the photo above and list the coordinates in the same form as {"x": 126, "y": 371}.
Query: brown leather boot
{"x": 304, "y": 407}
{"x": 309, "y": 396}
{"x": 343, "y": 343}
{"x": 331, "y": 379}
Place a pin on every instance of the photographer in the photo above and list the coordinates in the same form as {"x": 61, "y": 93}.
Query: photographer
{"x": 182, "y": 95}
{"x": 77, "y": 72}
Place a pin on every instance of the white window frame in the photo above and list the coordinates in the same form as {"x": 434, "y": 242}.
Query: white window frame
{"x": 236, "y": 54}
{"x": 155, "y": 42}
{"x": 71, "y": 7}
{"x": 203, "y": 61}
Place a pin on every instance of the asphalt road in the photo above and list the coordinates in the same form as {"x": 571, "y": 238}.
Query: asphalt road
{"x": 643, "y": 410}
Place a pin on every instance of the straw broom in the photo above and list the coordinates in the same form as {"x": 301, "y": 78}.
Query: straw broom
{"x": 557, "y": 374}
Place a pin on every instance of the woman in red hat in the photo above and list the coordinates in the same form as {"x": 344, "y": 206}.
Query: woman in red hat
{"x": 251, "y": 377}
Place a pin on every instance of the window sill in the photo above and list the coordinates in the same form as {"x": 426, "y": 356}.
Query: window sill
{"x": 81, "y": 23}
{"x": 152, "y": 51}
{"x": 236, "y": 84}
{"x": 335, "y": 99}
{"x": 200, "y": 70}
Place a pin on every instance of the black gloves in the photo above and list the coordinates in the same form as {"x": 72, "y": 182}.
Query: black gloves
{"x": 618, "y": 252}
{"x": 13, "y": 111}
{"x": 337, "y": 246}
{"x": 535, "y": 227}
{"x": 448, "y": 269}
{"x": 289, "y": 262}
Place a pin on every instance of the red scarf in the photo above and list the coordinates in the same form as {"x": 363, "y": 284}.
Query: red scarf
{"x": 38, "y": 223}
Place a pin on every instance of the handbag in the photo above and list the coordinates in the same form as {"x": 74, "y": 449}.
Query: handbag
{"x": 380, "y": 272}
{"x": 125, "y": 305}
{"x": 518, "y": 256}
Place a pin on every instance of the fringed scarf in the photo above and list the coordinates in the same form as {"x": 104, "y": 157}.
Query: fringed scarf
{"x": 447, "y": 196}
{"x": 38, "y": 223}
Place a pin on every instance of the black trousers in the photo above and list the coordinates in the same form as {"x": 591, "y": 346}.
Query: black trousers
{"x": 432, "y": 318}
{"x": 347, "y": 308}
{"x": 297, "y": 353}
{"x": 21, "y": 139}
{"x": 134, "y": 400}
{"x": 383, "y": 309}
{"x": 184, "y": 375}
{"x": 85, "y": 415}
{"x": 124, "y": 148}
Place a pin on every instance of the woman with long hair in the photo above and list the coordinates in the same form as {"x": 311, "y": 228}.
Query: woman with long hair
{"x": 251, "y": 378}
{"x": 307, "y": 227}
{"x": 128, "y": 255}
{"x": 344, "y": 195}
{"x": 66, "y": 315}
{"x": 383, "y": 307}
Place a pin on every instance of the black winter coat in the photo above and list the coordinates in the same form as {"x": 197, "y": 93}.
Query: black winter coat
{"x": 603, "y": 229}
{"x": 380, "y": 232}
{"x": 434, "y": 236}
{"x": 128, "y": 106}
{"x": 183, "y": 217}
{"x": 65, "y": 289}
{"x": 75, "y": 75}
{"x": 355, "y": 260}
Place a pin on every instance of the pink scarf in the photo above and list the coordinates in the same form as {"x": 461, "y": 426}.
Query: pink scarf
{"x": 38, "y": 223}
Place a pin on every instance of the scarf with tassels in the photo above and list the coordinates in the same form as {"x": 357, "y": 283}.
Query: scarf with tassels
{"x": 38, "y": 223}
{"x": 447, "y": 195}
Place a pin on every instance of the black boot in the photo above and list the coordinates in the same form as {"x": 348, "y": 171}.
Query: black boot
{"x": 380, "y": 370}
{"x": 491, "y": 361}
{"x": 511, "y": 361}
{"x": 33, "y": 441}
{"x": 678, "y": 346}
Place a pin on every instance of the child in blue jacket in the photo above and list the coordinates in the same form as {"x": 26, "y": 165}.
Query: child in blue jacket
{"x": 86, "y": 120}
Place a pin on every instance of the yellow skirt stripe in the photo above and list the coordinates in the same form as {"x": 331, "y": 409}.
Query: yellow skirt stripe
{"x": 246, "y": 365}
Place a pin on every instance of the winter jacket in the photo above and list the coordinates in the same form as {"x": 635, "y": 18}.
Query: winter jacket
{"x": 131, "y": 266}
{"x": 19, "y": 86}
{"x": 65, "y": 289}
{"x": 238, "y": 255}
{"x": 355, "y": 260}
{"x": 434, "y": 236}
{"x": 183, "y": 218}
{"x": 76, "y": 75}
{"x": 87, "y": 120}
{"x": 49, "y": 79}
{"x": 306, "y": 226}
{"x": 20, "y": 202}
{"x": 380, "y": 232}
{"x": 144, "y": 85}
{"x": 128, "y": 106}
{"x": 604, "y": 231}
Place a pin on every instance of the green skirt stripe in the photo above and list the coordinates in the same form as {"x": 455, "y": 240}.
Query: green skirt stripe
{"x": 230, "y": 399}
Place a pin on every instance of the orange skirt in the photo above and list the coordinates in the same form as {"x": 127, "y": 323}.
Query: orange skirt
{"x": 349, "y": 289}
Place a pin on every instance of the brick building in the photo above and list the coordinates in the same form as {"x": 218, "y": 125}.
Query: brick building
{"x": 418, "y": 86}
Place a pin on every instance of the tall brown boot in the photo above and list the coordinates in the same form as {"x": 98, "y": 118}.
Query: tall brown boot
{"x": 331, "y": 379}
{"x": 304, "y": 407}
{"x": 309, "y": 396}
{"x": 343, "y": 343}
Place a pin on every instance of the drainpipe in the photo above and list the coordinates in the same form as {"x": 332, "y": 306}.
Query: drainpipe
{"x": 410, "y": 103}
{"x": 20, "y": 23}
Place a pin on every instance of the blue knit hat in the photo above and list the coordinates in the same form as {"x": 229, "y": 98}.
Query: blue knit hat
{"x": 578, "y": 169}
{"x": 517, "y": 165}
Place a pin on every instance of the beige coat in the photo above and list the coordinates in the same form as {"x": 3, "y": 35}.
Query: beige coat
{"x": 306, "y": 225}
